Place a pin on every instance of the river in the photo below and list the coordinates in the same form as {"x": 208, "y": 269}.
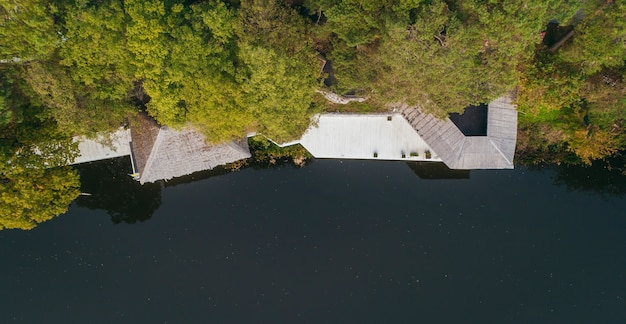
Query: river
{"x": 333, "y": 242}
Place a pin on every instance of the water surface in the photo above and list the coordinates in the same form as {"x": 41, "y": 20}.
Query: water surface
{"x": 334, "y": 242}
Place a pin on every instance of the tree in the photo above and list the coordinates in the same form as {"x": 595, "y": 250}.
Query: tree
{"x": 204, "y": 53}
{"x": 604, "y": 94}
{"x": 429, "y": 63}
{"x": 95, "y": 51}
{"x": 35, "y": 183}
{"x": 443, "y": 56}
{"x": 600, "y": 39}
{"x": 76, "y": 107}
{"x": 30, "y": 197}
{"x": 6, "y": 111}
{"x": 360, "y": 22}
{"x": 27, "y": 29}
{"x": 578, "y": 92}
{"x": 281, "y": 68}
{"x": 593, "y": 143}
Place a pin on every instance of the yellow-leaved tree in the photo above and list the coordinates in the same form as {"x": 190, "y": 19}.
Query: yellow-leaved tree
{"x": 35, "y": 182}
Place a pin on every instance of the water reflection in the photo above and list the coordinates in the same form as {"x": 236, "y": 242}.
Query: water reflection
{"x": 606, "y": 177}
{"x": 109, "y": 187}
{"x": 106, "y": 185}
{"x": 365, "y": 240}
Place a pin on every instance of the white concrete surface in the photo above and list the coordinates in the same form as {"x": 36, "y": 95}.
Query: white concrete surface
{"x": 345, "y": 136}
{"x": 104, "y": 147}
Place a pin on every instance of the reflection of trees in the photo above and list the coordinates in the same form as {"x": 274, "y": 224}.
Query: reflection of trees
{"x": 112, "y": 189}
{"x": 605, "y": 177}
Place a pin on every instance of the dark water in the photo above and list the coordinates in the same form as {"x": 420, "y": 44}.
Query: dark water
{"x": 334, "y": 242}
{"x": 473, "y": 121}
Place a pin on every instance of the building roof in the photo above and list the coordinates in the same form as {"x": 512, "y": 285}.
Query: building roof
{"x": 144, "y": 132}
{"x": 163, "y": 153}
{"x": 457, "y": 151}
{"x": 105, "y": 146}
{"x": 350, "y": 136}
{"x": 408, "y": 134}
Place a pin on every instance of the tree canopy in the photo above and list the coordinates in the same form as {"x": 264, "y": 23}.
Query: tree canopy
{"x": 231, "y": 67}
{"x": 35, "y": 182}
{"x": 572, "y": 100}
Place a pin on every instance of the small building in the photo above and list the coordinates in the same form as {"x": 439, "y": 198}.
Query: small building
{"x": 161, "y": 153}
{"x": 408, "y": 134}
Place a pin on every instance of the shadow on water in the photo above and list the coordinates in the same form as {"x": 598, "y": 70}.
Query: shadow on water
{"x": 109, "y": 187}
{"x": 436, "y": 170}
{"x": 196, "y": 176}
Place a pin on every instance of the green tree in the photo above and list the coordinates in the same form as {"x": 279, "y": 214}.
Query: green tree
{"x": 214, "y": 100}
{"x": 95, "y": 52}
{"x": 149, "y": 42}
{"x": 604, "y": 94}
{"x": 194, "y": 78}
{"x": 576, "y": 95}
{"x": 35, "y": 183}
{"x": 359, "y": 22}
{"x": 600, "y": 39}
{"x": 31, "y": 197}
{"x": 281, "y": 68}
{"x": 443, "y": 56}
{"x": 27, "y": 29}
{"x": 6, "y": 113}
{"x": 76, "y": 107}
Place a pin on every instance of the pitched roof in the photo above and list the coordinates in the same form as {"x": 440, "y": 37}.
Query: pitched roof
{"x": 164, "y": 153}
{"x": 143, "y": 133}
{"x": 457, "y": 151}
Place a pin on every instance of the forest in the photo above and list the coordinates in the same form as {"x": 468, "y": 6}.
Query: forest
{"x": 227, "y": 68}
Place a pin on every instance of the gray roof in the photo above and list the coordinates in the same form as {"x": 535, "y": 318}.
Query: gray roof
{"x": 144, "y": 131}
{"x": 457, "y": 151}
{"x": 164, "y": 153}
